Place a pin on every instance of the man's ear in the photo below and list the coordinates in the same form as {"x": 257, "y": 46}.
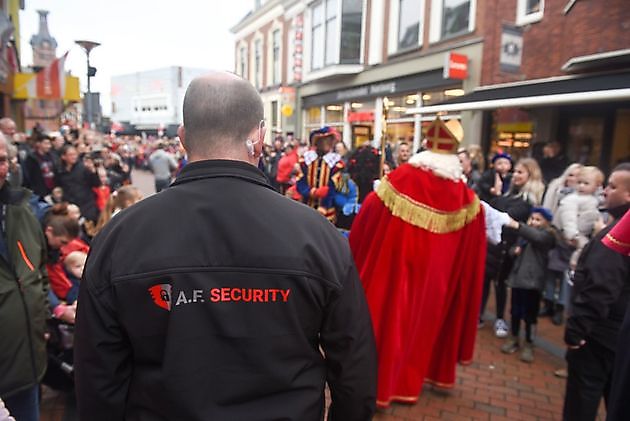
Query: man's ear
{"x": 181, "y": 132}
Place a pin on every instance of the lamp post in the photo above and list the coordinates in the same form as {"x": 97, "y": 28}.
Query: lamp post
{"x": 91, "y": 71}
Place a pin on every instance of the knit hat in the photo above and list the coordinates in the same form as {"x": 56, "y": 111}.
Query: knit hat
{"x": 546, "y": 213}
{"x": 501, "y": 155}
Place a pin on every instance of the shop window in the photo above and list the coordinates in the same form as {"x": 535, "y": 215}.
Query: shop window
{"x": 313, "y": 116}
{"x": 329, "y": 44}
{"x": 276, "y": 57}
{"x": 334, "y": 114}
{"x": 529, "y": 11}
{"x": 450, "y": 18}
{"x": 409, "y": 23}
{"x": 512, "y": 132}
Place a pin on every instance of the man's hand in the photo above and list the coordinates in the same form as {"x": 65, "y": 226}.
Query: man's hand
{"x": 66, "y": 313}
{"x": 580, "y": 345}
{"x": 498, "y": 185}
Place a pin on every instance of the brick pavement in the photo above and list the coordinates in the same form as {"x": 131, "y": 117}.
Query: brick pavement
{"x": 494, "y": 387}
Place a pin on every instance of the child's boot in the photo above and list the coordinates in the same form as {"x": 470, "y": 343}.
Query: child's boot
{"x": 510, "y": 346}
{"x": 527, "y": 354}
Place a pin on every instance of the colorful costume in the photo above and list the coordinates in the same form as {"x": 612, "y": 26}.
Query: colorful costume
{"x": 320, "y": 175}
{"x": 419, "y": 245}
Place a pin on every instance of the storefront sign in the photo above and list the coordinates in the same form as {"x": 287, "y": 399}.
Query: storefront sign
{"x": 456, "y": 66}
{"x": 362, "y": 116}
{"x": 298, "y": 23}
{"x": 511, "y": 49}
{"x": 413, "y": 83}
{"x": 375, "y": 89}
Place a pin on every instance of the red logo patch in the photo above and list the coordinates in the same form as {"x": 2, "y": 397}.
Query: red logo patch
{"x": 161, "y": 295}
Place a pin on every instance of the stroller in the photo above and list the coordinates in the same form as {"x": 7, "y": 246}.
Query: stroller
{"x": 60, "y": 372}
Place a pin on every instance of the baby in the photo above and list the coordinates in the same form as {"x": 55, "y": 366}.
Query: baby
{"x": 74, "y": 264}
{"x": 578, "y": 212}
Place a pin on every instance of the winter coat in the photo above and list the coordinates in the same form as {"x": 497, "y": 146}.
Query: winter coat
{"x": 221, "y": 315}
{"x": 601, "y": 294}
{"x": 498, "y": 262}
{"x": 77, "y": 187}
{"x": 530, "y": 268}
{"x": 34, "y": 177}
{"x": 576, "y": 217}
{"x": 23, "y": 295}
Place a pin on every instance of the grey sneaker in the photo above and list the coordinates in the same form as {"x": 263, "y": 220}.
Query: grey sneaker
{"x": 510, "y": 346}
{"x": 527, "y": 354}
{"x": 501, "y": 328}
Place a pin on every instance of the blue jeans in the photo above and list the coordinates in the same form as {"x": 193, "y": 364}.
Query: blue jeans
{"x": 161, "y": 184}
{"x": 564, "y": 289}
{"x": 24, "y": 406}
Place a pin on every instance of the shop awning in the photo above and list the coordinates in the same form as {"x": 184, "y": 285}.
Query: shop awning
{"x": 541, "y": 92}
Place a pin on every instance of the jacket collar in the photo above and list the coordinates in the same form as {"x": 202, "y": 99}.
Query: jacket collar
{"x": 219, "y": 168}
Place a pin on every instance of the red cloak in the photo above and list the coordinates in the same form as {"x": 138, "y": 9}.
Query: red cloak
{"x": 419, "y": 244}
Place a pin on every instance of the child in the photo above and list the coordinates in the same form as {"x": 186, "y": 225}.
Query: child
{"x": 527, "y": 278}
{"x": 119, "y": 200}
{"x": 74, "y": 264}
{"x": 496, "y": 181}
{"x": 578, "y": 212}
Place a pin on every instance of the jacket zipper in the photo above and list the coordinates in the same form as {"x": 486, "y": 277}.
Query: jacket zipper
{"x": 26, "y": 313}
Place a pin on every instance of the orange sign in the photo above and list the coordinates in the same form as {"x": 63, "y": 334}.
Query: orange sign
{"x": 456, "y": 66}
{"x": 364, "y": 116}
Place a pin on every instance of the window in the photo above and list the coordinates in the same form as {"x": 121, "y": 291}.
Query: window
{"x": 455, "y": 17}
{"x": 277, "y": 77}
{"x": 351, "y": 20}
{"x": 409, "y": 14}
{"x": 529, "y": 11}
{"x": 336, "y": 32}
{"x": 274, "y": 115}
{"x": 318, "y": 36}
{"x": 331, "y": 32}
{"x": 258, "y": 64}
{"x": 243, "y": 63}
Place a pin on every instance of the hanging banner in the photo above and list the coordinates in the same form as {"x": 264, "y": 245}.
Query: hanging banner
{"x": 25, "y": 87}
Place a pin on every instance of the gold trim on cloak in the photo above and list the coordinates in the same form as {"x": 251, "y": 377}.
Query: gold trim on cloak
{"x": 617, "y": 242}
{"x": 423, "y": 216}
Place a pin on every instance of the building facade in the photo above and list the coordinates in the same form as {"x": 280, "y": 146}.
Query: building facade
{"x": 374, "y": 68}
{"x": 151, "y": 101}
{"x": 554, "y": 70}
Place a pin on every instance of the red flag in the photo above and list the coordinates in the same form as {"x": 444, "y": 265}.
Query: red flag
{"x": 51, "y": 80}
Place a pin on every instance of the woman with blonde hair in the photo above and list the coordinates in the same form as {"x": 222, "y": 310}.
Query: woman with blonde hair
{"x": 119, "y": 200}
{"x": 527, "y": 181}
{"x": 525, "y": 191}
{"x": 560, "y": 187}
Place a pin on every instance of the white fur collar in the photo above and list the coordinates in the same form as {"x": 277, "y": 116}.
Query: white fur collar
{"x": 442, "y": 165}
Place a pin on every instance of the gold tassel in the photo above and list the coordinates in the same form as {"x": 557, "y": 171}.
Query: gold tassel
{"x": 423, "y": 216}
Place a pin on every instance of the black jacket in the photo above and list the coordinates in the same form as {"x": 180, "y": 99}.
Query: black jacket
{"x": 212, "y": 300}
{"x": 77, "y": 187}
{"x": 498, "y": 261}
{"x": 601, "y": 294}
{"x": 33, "y": 176}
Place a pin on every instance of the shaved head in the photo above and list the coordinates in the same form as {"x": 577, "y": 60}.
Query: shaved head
{"x": 220, "y": 111}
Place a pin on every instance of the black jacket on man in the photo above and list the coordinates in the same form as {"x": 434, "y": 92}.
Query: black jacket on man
{"x": 601, "y": 294}
{"x": 77, "y": 184}
{"x": 212, "y": 300}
